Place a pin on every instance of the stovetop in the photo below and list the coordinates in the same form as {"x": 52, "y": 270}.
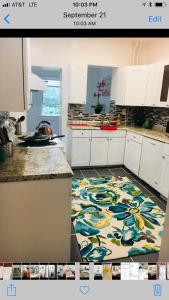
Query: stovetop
{"x": 37, "y": 145}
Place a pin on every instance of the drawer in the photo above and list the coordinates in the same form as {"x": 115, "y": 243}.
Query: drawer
{"x": 135, "y": 137}
{"x": 81, "y": 133}
{"x": 166, "y": 149}
{"x": 109, "y": 133}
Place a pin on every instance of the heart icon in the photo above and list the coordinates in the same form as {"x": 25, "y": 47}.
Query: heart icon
{"x": 84, "y": 289}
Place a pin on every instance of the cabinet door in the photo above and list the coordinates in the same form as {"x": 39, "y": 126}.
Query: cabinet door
{"x": 116, "y": 151}
{"x": 132, "y": 156}
{"x": 78, "y": 84}
{"x": 80, "y": 152}
{"x": 164, "y": 182}
{"x": 164, "y": 97}
{"x": 150, "y": 166}
{"x": 118, "y": 86}
{"x": 136, "y": 82}
{"x": 154, "y": 84}
{"x": 11, "y": 75}
{"x": 99, "y": 151}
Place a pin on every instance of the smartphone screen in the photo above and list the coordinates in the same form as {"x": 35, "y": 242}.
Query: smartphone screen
{"x": 84, "y": 149}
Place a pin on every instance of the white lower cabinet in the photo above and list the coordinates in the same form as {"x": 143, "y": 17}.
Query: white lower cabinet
{"x": 150, "y": 165}
{"x": 132, "y": 155}
{"x": 99, "y": 151}
{"x": 145, "y": 157}
{"x": 80, "y": 152}
{"x": 164, "y": 181}
{"x": 116, "y": 151}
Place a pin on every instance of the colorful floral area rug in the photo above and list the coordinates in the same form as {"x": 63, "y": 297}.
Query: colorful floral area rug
{"x": 112, "y": 219}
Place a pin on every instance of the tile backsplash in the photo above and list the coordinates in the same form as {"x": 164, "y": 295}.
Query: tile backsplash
{"x": 159, "y": 115}
{"x": 75, "y": 112}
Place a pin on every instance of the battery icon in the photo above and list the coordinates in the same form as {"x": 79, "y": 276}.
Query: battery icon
{"x": 160, "y": 4}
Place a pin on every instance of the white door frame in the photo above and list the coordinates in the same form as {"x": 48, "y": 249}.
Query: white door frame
{"x": 64, "y": 94}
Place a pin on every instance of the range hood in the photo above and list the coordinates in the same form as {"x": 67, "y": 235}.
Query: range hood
{"x": 36, "y": 83}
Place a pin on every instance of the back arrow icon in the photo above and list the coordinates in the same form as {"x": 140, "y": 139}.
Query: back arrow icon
{"x": 6, "y": 18}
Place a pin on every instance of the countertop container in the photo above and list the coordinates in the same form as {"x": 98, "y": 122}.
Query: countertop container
{"x": 3, "y": 154}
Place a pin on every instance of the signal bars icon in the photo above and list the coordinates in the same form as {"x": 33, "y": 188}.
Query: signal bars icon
{"x": 6, "y": 4}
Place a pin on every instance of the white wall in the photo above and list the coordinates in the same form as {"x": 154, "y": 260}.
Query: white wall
{"x": 101, "y": 51}
{"x": 154, "y": 49}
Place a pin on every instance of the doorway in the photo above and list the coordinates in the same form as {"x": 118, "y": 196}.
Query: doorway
{"x": 46, "y": 105}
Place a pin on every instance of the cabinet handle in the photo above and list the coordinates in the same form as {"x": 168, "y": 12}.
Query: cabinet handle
{"x": 153, "y": 144}
{"x": 163, "y": 157}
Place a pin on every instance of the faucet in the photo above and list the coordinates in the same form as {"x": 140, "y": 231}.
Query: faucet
{"x": 102, "y": 119}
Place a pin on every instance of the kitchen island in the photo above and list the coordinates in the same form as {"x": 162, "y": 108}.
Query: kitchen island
{"x": 35, "y": 203}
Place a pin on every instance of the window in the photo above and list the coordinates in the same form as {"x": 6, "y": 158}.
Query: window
{"x": 51, "y": 99}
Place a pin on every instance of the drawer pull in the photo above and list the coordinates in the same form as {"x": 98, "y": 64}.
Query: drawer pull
{"x": 153, "y": 144}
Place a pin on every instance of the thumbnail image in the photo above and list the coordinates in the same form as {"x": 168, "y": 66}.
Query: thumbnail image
{"x": 134, "y": 271}
{"x": 16, "y": 272}
{"x": 107, "y": 271}
{"x": 52, "y": 271}
{"x": 43, "y": 271}
{"x": 98, "y": 271}
{"x": 125, "y": 271}
{"x": 61, "y": 271}
{"x": 7, "y": 271}
{"x": 1, "y": 271}
{"x": 25, "y": 270}
{"x": 84, "y": 271}
{"x": 152, "y": 271}
{"x": 70, "y": 271}
{"x": 116, "y": 271}
{"x": 34, "y": 272}
{"x": 143, "y": 271}
{"x": 161, "y": 271}
{"x": 167, "y": 271}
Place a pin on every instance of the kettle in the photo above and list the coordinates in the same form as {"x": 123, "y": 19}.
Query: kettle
{"x": 43, "y": 128}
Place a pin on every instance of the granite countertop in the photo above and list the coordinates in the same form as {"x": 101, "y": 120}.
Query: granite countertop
{"x": 159, "y": 136}
{"x": 35, "y": 164}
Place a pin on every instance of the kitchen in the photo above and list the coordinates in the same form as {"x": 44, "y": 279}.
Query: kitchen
{"x": 125, "y": 95}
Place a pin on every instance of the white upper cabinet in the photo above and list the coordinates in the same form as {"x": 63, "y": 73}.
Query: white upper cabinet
{"x": 129, "y": 85}
{"x": 78, "y": 84}
{"x": 13, "y": 94}
{"x": 154, "y": 85}
{"x": 136, "y": 83}
{"x": 118, "y": 86}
